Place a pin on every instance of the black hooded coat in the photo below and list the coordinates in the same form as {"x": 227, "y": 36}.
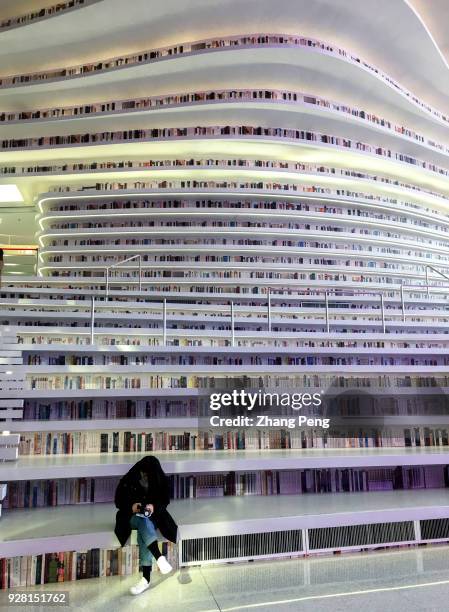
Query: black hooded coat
{"x": 129, "y": 491}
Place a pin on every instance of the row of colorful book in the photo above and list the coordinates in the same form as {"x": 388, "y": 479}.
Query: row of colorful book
{"x": 56, "y": 492}
{"x": 86, "y": 442}
{"x": 109, "y": 409}
{"x": 288, "y": 381}
{"x": 66, "y": 566}
{"x": 117, "y": 408}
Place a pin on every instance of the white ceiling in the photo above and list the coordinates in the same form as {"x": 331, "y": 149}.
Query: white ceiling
{"x": 435, "y": 15}
{"x": 385, "y": 32}
{"x": 15, "y": 8}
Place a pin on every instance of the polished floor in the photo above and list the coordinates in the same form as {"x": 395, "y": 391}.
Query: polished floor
{"x": 415, "y": 579}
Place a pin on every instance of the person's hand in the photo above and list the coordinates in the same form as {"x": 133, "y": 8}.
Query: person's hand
{"x": 136, "y": 507}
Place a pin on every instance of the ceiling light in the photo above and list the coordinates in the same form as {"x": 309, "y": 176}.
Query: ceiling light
{"x": 10, "y": 193}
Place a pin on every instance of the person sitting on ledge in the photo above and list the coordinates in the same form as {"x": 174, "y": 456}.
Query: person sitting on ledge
{"x": 142, "y": 497}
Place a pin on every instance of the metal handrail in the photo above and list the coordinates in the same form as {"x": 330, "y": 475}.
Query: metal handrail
{"x": 232, "y": 325}
{"x": 382, "y": 308}
{"x": 116, "y": 265}
{"x": 92, "y": 319}
{"x": 232, "y": 314}
{"x": 348, "y": 291}
{"x": 325, "y": 296}
{"x": 429, "y": 267}
{"x": 269, "y": 309}
{"x": 164, "y": 321}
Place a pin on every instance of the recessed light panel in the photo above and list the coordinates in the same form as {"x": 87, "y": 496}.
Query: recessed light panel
{"x": 10, "y": 193}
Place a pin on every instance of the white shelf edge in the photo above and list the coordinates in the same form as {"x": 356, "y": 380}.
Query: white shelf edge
{"x": 97, "y": 465}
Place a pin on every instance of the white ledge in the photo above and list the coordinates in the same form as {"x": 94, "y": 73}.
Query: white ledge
{"x": 91, "y": 526}
{"x": 185, "y": 462}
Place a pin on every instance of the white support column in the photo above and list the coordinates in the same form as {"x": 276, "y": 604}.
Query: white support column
{"x": 140, "y": 273}
{"x": 232, "y": 325}
{"x": 382, "y": 309}
{"x": 326, "y": 301}
{"x": 417, "y": 529}
{"x": 92, "y": 320}
{"x": 427, "y": 281}
{"x": 269, "y": 310}
{"x": 305, "y": 541}
{"x": 402, "y": 303}
{"x": 306, "y": 571}
{"x": 107, "y": 283}
{"x": 164, "y": 322}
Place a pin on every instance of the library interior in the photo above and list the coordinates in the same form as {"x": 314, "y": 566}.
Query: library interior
{"x": 224, "y": 243}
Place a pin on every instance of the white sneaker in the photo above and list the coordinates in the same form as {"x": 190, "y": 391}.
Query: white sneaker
{"x": 140, "y": 587}
{"x": 164, "y": 565}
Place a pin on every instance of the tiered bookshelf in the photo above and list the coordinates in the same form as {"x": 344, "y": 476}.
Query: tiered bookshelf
{"x": 365, "y": 483}
{"x": 195, "y": 236}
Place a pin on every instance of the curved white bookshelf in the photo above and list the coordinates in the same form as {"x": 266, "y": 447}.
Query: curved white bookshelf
{"x": 70, "y": 286}
{"x": 412, "y": 212}
{"x": 361, "y": 155}
{"x": 42, "y": 14}
{"x": 280, "y": 106}
{"x": 192, "y": 423}
{"x": 271, "y": 44}
{"x": 196, "y": 462}
{"x": 228, "y": 245}
{"x": 380, "y": 186}
{"x": 91, "y": 526}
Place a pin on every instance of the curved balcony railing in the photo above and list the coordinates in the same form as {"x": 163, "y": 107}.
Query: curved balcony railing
{"x": 380, "y": 317}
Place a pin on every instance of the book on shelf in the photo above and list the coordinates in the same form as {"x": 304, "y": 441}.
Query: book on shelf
{"x": 58, "y": 492}
{"x": 86, "y": 442}
{"x": 67, "y": 566}
{"x": 47, "y": 443}
{"x": 331, "y": 383}
{"x": 114, "y": 408}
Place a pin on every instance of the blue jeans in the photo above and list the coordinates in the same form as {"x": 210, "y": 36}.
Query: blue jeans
{"x": 146, "y": 535}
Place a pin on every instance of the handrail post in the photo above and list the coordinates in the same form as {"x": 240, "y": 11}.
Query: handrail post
{"x": 269, "y": 310}
{"x": 428, "y": 267}
{"x": 232, "y": 325}
{"x": 402, "y": 303}
{"x": 92, "y": 319}
{"x": 383, "y": 312}
{"x": 164, "y": 321}
{"x": 140, "y": 273}
{"x": 119, "y": 263}
{"x": 326, "y": 302}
